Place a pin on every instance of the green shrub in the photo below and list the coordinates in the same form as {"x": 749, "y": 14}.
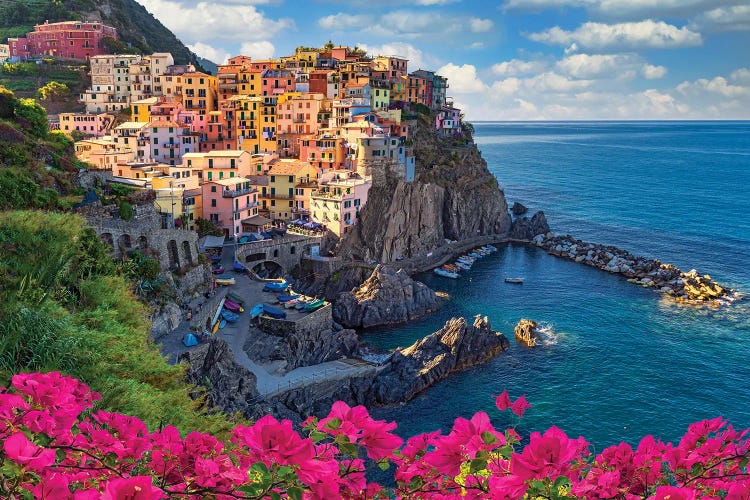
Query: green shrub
{"x": 54, "y": 91}
{"x": 126, "y": 210}
{"x": 32, "y": 116}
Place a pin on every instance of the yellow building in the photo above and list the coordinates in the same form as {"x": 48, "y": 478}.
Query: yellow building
{"x": 196, "y": 90}
{"x": 185, "y": 205}
{"x": 284, "y": 177}
{"x": 140, "y": 111}
{"x": 255, "y": 123}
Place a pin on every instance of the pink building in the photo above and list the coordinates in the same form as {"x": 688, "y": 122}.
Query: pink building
{"x": 68, "y": 39}
{"x": 87, "y": 124}
{"x": 227, "y": 202}
{"x": 448, "y": 120}
{"x": 277, "y": 82}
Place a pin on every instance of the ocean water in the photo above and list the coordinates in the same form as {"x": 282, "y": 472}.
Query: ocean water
{"x": 620, "y": 361}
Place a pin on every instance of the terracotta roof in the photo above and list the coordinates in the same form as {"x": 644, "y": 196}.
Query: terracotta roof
{"x": 162, "y": 124}
{"x": 288, "y": 167}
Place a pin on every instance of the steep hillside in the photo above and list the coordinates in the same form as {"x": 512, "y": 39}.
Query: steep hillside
{"x": 453, "y": 197}
{"x": 140, "y": 31}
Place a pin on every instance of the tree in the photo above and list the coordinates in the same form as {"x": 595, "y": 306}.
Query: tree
{"x": 7, "y": 103}
{"x": 32, "y": 116}
{"x": 54, "y": 91}
{"x": 207, "y": 227}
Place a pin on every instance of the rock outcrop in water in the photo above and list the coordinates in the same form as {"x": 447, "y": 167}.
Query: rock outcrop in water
{"x": 526, "y": 229}
{"x": 518, "y": 209}
{"x": 388, "y": 296}
{"x": 650, "y": 273}
{"x": 526, "y": 332}
{"x": 230, "y": 387}
{"x": 454, "y": 197}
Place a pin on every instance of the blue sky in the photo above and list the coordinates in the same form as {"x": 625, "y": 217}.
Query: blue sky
{"x": 512, "y": 59}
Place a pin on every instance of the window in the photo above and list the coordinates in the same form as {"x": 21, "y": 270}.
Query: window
{"x": 356, "y": 202}
{"x": 156, "y": 140}
{"x": 210, "y": 163}
{"x": 156, "y": 152}
{"x": 213, "y": 189}
{"x": 347, "y": 204}
{"x": 232, "y": 163}
{"x": 291, "y": 179}
{"x": 273, "y": 178}
{"x": 213, "y": 203}
{"x": 273, "y": 203}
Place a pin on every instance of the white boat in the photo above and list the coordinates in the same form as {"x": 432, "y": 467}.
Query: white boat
{"x": 514, "y": 280}
{"x": 446, "y": 274}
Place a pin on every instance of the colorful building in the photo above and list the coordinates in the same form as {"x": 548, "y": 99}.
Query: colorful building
{"x": 218, "y": 165}
{"x": 67, "y": 39}
{"x": 324, "y": 151}
{"x": 133, "y": 136}
{"x": 87, "y": 124}
{"x": 170, "y": 141}
{"x": 227, "y": 202}
{"x": 297, "y": 115}
{"x": 337, "y": 203}
{"x": 110, "y": 83}
{"x": 284, "y": 176}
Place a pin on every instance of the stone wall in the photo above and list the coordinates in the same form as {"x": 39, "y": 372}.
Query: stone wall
{"x": 315, "y": 321}
{"x": 287, "y": 251}
{"x": 201, "y": 320}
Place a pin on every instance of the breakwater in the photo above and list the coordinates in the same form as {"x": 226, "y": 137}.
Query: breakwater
{"x": 688, "y": 286}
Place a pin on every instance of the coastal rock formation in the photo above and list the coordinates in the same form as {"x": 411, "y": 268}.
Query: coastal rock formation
{"x": 650, "y": 273}
{"x": 526, "y": 332}
{"x": 453, "y": 197}
{"x": 302, "y": 347}
{"x": 165, "y": 321}
{"x": 518, "y": 209}
{"x": 526, "y": 229}
{"x": 387, "y": 296}
{"x": 455, "y": 347}
{"x": 230, "y": 387}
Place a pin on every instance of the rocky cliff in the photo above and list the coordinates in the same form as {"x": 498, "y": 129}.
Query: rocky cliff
{"x": 526, "y": 229}
{"x": 230, "y": 386}
{"x": 388, "y": 296}
{"x": 453, "y": 197}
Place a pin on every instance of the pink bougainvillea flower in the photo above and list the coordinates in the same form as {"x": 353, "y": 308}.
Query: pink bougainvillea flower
{"x": 503, "y": 401}
{"x": 520, "y": 406}
{"x": 674, "y": 493}
{"x": 19, "y": 449}
{"x": 269, "y": 440}
{"x": 507, "y": 487}
{"x": 546, "y": 456}
{"x": 53, "y": 488}
{"x": 132, "y": 488}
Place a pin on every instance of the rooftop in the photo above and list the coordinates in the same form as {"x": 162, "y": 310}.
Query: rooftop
{"x": 232, "y": 181}
{"x": 288, "y": 167}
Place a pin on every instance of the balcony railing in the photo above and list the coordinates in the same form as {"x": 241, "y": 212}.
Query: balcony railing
{"x": 233, "y": 193}
{"x": 171, "y": 145}
{"x": 280, "y": 196}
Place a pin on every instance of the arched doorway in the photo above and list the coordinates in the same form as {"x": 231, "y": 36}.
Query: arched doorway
{"x": 142, "y": 243}
{"x": 268, "y": 269}
{"x": 174, "y": 258}
{"x": 125, "y": 242}
{"x": 186, "y": 252}
{"x": 108, "y": 239}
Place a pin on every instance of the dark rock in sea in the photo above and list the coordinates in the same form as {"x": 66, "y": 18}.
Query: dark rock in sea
{"x": 526, "y": 332}
{"x": 518, "y": 209}
{"x": 230, "y": 386}
{"x": 526, "y": 229}
{"x": 455, "y": 347}
{"x": 386, "y": 297}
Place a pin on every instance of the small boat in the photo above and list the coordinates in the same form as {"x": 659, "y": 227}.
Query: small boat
{"x": 238, "y": 267}
{"x": 235, "y": 298}
{"x": 290, "y": 304}
{"x": 285, "y": 297}
{"x": 256, "y": 311}
{"x": 215, "y": 328}
{"x": 301, "y": 303}
{"x": 273, "y": 312}
{"x": 274, "y": 286}
{"x": 230, "y": 316}
{"x": 446, "y": 274}
{"x": 217, "y": 270}
{"x": 233, "y": 306}
{"x": 215, "y": 258}
{"x": 475, "y": 255}
{"x": 314, "y": 305}
{"x": 225, "y": 280}
{"x": 514, "y": 280}
{"x": 222, "y": 324}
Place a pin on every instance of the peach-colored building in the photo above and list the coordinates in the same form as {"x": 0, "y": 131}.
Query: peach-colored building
{"x": 87, "y": 124}
{"x": 227, "y": 202}
{"x": 298, "y": 115}
{"x": 102, "y": 154}
{"x": 324, "y": 150}
{"x": 219, "y": 165}
{"x": 337, "y": 203}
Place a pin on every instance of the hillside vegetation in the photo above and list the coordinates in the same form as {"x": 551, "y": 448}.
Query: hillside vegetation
{"x": 139, "y": 31}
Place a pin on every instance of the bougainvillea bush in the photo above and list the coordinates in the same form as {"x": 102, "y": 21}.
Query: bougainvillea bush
{"x": 54, "y": 445}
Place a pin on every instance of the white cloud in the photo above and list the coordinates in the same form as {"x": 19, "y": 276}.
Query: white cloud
{"x": 215, "y": 21}
{"x": 550, "y": 81}
{"x": 651, "y": 72}
{"x": 602, "y": 66}
{"x": 733, "y": 18}
{"x": 741, "y": 76}
{"x": 258, "y": 50}
{"x": 477, "y": 25}
{"x": 462, "y": 79}
{"x": 517, "y": 67}
{"x": 436, "y": 2}
{"x": 417, "y": 58}
{"x": 626, "y": 9}
{"x": 646, "y": 34}
{"x": 717, "y": 85}
{"x": 343, "y": 21}
{"x": 218, "y": 56}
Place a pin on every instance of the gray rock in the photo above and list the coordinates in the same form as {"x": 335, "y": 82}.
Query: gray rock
{"x": 230, "y": 386}
{"x": 526, "y": 229}
{"x": 518, "y": 209}
{"x": 386, "y": 297}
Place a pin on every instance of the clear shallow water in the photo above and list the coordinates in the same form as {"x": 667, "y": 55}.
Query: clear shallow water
{"x": 622, "y": 362}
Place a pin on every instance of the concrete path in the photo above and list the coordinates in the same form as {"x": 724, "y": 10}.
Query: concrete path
{"x": 269, "y": 382}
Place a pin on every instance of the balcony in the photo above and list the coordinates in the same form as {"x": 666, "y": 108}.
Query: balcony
{"x": 233, "y": 193}
{"x": 298, "y": 120}
{"x": 279, "y": 196}
{"x": 170, "y": 145}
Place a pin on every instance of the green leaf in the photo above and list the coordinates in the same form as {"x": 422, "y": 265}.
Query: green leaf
{"x": 275, "y": 496}
{"x": 252, "y": 490}
{"x": 259, "y": 467}
{"x": 348, "y": 448}
{"x": 477, "y": 464}
{"x": 318, "y": 436}
{"x": 384, "y": 465}
{"x": 294, "y": 492}
{"x": 333, "y": 424}
{"x": 489, "y": 438}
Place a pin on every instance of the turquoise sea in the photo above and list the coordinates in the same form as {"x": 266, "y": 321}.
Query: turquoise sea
{"x": 620, "y": 362}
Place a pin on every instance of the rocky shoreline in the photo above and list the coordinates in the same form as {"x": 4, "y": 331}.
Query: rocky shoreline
{"x": 649, "y": 273}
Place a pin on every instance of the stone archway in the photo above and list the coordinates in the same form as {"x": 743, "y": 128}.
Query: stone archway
{"x": 125, "y": 242}
{"x": 174, "y": 258}
{"x": 142, "y": 243}
{"x": 268, "y": 269}
{"x": 186, "y": 252}
{"x": 108, "y": 239}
